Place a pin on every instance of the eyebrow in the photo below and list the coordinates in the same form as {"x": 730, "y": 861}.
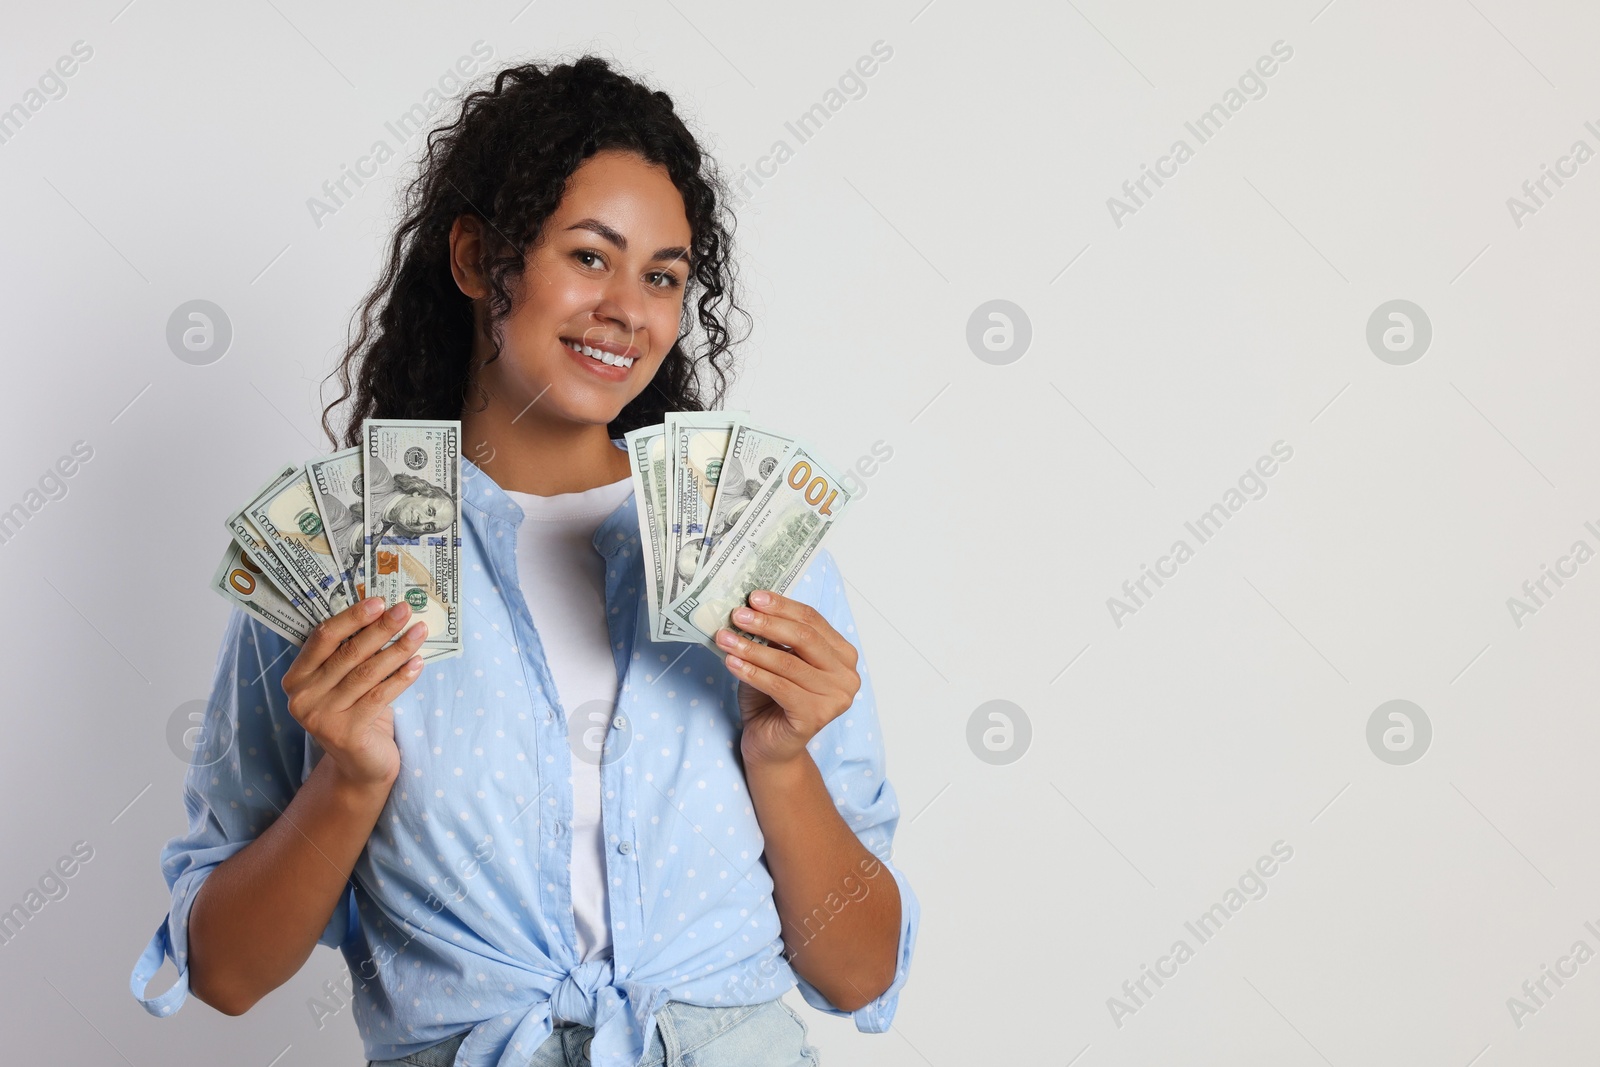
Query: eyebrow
{"x": 600, "y": 228}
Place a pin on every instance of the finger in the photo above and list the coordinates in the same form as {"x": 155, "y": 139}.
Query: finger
{"x": 787, "y": 665}
{"x": 328, "y": 635}
{"x": 789, "y": 608}
{"x": 357, "y": 648}
{"x": 789, "y": 696}
{"x": 796, "y": 625}
{"x": 389, "y": 689}
{"x": 360, "y": 679}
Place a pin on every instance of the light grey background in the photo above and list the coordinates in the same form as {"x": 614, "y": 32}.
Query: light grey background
{"x": 1168, "y": 353}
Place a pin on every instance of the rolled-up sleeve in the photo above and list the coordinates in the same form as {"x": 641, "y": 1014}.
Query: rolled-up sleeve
{"x": 849, "y": 752}
{"x": 248, "y": 759}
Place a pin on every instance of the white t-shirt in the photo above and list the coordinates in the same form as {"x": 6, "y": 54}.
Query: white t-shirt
{"x": 563, "y": 580}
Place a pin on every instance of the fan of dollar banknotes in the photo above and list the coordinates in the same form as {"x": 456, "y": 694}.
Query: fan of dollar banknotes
{"x": 380, "y": 519}
{"x": 725, "y": 507}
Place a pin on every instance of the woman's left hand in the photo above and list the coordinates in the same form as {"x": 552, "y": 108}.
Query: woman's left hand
{"x": 790, "y": 688}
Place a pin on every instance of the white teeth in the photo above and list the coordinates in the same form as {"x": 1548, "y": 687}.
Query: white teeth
{"x": 607, "y": 358}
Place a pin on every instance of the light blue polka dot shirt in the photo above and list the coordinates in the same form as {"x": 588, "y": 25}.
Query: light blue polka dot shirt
{"x": 459, "y": 912}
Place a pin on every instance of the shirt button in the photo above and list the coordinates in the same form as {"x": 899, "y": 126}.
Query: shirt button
{"x": 625, "y": 848}
{"x": 619, "y": 722}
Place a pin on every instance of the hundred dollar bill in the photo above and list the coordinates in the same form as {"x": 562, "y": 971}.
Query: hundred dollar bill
{"x": 647, "y": 458}
{"x": 255, "y": 542}
{"x": 336, "y": 487}
{"x": 411, "y": 512}
{"x": 781, "y": 530}
{"x": 753, "y": 454}
{"x": 696, "y": 443}
{"x": 240, "y": 580}
{"x": 287, "y": 516}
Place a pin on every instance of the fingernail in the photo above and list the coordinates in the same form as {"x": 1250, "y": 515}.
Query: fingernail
{"x": 414, "y": 664}
{"x": 372, "y": 605}
{"x": 743, "y": 615}
{"x": 419, "y": 632}
{"x": 400, "y": 610}
{"x": 760, "y": 597}
{"x": 726, "y": 639}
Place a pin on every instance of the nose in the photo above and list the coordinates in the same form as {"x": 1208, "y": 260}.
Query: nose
{"x": 622, "y": 304}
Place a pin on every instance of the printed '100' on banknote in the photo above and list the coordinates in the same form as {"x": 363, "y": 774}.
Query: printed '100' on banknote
{"x": 411, "y": 512}
{"x": 781, "y": 529}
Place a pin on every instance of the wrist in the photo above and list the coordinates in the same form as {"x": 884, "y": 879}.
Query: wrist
{"x": 355, "y": 794}
{"x": 779, "y": 769}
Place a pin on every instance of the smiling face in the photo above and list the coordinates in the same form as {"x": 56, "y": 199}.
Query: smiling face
{"x": 601, "y": 297}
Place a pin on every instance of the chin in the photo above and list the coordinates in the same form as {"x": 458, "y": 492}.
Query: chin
{"x": 587, "y": 411}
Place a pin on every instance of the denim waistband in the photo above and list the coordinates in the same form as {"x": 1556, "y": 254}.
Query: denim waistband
{"x": 681, "y": 1028}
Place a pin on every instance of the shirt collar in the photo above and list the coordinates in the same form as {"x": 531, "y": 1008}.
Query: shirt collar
{"x": 485, "y": 503}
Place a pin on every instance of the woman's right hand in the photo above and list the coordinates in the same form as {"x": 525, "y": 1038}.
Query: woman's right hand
{"x": 342, "y": 682}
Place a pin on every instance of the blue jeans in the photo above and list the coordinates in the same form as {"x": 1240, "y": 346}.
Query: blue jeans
{"x": 687, "y": 1035}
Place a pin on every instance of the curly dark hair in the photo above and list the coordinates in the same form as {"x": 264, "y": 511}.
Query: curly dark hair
{"x": 506, "y": 159}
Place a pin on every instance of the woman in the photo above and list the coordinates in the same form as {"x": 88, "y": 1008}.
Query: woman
{"x": 569, "y": 843}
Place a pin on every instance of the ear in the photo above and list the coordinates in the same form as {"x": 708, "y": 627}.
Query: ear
{"x": 466, "y": 256}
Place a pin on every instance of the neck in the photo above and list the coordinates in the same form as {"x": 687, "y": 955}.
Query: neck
{"x": 528, "y": 454}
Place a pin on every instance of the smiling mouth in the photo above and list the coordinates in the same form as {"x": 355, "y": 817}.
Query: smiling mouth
{"x": 610, "y": 359}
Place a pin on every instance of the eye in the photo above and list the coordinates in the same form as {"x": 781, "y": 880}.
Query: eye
{"x": 589, "y": 253}
{"x": 666, "y": 279}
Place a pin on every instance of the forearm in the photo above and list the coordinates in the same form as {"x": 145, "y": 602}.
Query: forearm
{"x": 257, "y": 916}
{"x": 840, "y": 907}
